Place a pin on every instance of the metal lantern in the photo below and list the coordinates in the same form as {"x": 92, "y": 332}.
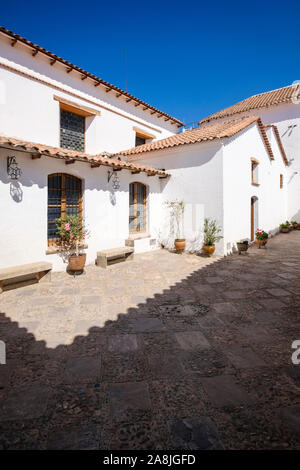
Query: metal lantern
{"x": 115, "y": 180}
{"x": 13, "y": 171}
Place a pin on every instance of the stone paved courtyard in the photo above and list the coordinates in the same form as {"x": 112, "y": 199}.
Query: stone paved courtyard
{"x": 165, "y": 352}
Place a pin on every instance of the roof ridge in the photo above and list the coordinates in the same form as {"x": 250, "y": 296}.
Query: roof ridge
{"x": 270, "y": 91}
{"x": 218, "y": 130}
{"x": 260, "y": 100}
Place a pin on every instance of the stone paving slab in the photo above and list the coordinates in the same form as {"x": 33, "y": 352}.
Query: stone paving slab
{"x": 128, "y": 397}
{"x": 195, "y": 434}
{"x": 190, "y": 340}
{"x": 25, "y": 403}
{"x": 76, "y": 437}
{"x": 224, "y": 391}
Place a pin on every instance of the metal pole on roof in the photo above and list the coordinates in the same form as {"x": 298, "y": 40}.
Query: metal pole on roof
{"x": 125, "y": 72}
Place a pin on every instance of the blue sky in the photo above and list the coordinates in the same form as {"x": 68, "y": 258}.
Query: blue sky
{"x": 189, "y": 59}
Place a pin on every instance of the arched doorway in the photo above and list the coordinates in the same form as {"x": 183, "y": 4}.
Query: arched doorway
{"x": 137, "y": 207}
{"x": 254, "y": 216}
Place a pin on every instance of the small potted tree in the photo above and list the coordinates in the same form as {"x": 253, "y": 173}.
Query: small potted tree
{"x": 261, "y": 237}
{"x": 72, "y": 236}
{"x": 177, "y": 210}
{"x": 211, "y": 235}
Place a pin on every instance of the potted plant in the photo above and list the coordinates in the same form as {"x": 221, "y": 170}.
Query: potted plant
{"x": 177, "y": 210}
{"x": 294, "y": 224}
{"x": 242, "y": 246}
{"x": 261, "y": 237}
{"x": 211, "y": 231}
{"x": 284, "y": 228}
{"x": 72, "y": 235}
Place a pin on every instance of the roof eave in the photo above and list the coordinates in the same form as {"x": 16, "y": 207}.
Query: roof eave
{"x": 84, "y": 74}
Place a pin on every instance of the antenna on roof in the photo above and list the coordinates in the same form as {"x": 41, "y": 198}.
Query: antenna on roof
{"x": 125, "y": 71}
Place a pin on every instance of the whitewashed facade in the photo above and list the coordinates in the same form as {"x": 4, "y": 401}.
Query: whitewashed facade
{"x": 212, "y": 178}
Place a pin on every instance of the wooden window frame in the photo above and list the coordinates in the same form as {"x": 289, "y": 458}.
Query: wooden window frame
{"x": 76, "y": 108}
{"x": 254, "y": 164}
{"x": 135, "y": 184}
{"x": 281, "y": 181}
{"x": 63, "y": 201}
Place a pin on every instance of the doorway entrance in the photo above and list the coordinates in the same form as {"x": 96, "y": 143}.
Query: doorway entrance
{"x": 254, "y": 216}
{"x": 137, "y": 207}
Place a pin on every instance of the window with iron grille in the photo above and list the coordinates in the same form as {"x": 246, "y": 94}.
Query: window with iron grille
{"x": 72, "y": 128}
{"x": 139, "y": 140}
{"x": 64, "y": 198}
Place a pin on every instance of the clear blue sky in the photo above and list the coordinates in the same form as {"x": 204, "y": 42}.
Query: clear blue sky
{"x": 189, "y": 59}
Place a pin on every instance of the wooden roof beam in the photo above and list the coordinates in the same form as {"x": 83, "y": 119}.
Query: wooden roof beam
{"x": 34, "y": 52}
{"x": 135, "y": 172}
{"x": 69, "y": 162}
{"x": 95, "y": 164}
{"x": 69, "y": 69}
{"x": 128, "y": 99}
{"x": 52, "y": 61}
{"x": 13, "y": 42}
{"x": 35, "y": 156}
{"x": 83, "y": 77}
{"x": 118, "y": 95}
{"x": 96, "y": 84}
{"x": 108, "y": 90}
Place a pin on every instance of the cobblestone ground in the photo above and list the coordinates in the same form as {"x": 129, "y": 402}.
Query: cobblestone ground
{"x": 164, "y": 352}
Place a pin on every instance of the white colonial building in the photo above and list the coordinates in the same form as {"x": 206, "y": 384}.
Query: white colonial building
{"x": 69, "y": 132}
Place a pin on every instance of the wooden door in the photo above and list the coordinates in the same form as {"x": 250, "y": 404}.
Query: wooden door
{"x": 252, "y": 219}
{"x": 137, "y": 207}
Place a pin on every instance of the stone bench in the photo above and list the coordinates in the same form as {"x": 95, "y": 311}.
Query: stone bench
{"x": 17, "y": 276}
{"x": 114, "y": 255}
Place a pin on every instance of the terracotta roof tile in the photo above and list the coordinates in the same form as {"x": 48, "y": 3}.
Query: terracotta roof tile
{"x": 16, "y": 37}
{"x": 102, "y": 159}
{"x": 193, "y": 136}
{"x": 262, "y": 100}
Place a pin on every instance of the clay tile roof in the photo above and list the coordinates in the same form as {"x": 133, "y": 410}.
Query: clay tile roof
{"x": 262, "y": 100}
{"x": 136, "y": 101}
{"x": 102, "y": 159}
{"x": 193, "y": 136}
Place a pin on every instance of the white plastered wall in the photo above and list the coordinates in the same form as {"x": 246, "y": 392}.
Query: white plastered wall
{"x": 238, "y": 188}
{"x": 28, "y": 110}
{"x": 286, "y": 116}
{"x": 23, "y": 208}
{"x": 196, "y": 178}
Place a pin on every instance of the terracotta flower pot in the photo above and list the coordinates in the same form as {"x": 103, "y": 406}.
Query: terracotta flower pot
{"x": 209, "y": 249}
{"x": 76, "y": 263}
{"x": 262, "y": 242}
{"x": 180, "y": 244}
{"x": 285, "y": 230}
{"x": 242, "y": 247}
